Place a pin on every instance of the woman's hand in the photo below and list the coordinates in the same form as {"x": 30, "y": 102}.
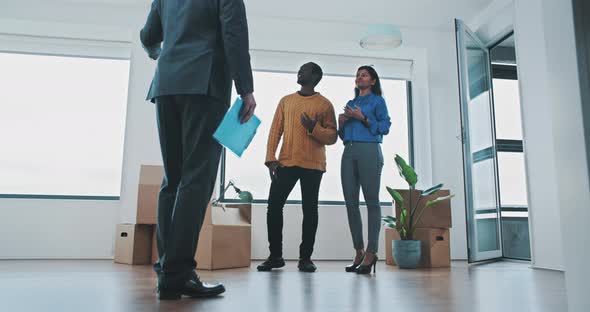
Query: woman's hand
{"x": 342, "y": 118}
{"x": 355, "y": 113}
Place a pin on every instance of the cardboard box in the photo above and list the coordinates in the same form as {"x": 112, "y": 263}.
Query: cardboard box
{"x": 436, "y": 247}
{"x": 150, "y": 180}
{"x": 133, "y": 244}
{"x": 225, "y": 238}
{"x": 436, "y": 216}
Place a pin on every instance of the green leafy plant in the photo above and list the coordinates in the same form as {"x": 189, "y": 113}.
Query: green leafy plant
{"x": 406, "y": 225}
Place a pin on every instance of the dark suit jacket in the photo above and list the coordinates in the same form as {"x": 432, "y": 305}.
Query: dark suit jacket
{"x": 204, "y": 47}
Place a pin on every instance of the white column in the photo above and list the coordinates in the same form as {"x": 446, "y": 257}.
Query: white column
{"x": 552, "y": 106}
{"x": 538, "y": 119}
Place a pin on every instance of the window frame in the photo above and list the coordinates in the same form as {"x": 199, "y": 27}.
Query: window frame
{"x": 222, "y": 165}
{"x": 59, "y": 47}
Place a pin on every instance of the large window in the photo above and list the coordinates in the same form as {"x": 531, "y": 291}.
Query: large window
{"x": 511, "y": 164}
{"x": 249, "y": 171}
{"x": 509, "y": 141}
{"x": 62, "y": 123}
{"x": 509, "y": 134}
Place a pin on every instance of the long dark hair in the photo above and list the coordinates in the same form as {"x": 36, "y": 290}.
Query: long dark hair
{"x": 376, "y": 88}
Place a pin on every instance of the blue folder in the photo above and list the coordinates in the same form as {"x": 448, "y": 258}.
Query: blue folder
{"x": 232, "y": 134}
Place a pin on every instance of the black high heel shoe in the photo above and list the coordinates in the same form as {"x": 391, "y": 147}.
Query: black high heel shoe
{"x": 352, "y": 267}
{"x": 366, "y": 269}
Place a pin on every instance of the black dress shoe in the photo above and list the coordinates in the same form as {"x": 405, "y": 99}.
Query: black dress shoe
{"x": 305, "y": 265}
{"x": 271, "y": 263}
{"x": 193, "y": 287}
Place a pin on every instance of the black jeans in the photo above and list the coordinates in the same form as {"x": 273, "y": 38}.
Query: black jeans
{"x": 280, "y": 189}
{"x": 191, "y": 157}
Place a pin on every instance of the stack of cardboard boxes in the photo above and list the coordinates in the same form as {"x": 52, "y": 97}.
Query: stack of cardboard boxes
{"x": 134, "y": 243}
{"x": 224, "y": 240}
{"x": 432, "y": 230}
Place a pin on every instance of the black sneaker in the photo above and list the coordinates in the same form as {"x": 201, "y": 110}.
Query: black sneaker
{"x": 271, "y": 263}
{"x": 305, "y": 265}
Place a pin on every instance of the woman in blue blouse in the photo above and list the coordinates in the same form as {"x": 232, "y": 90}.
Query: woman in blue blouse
{"x": 361, "y": 127}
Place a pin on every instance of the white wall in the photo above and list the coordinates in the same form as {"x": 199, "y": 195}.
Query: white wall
{"x": 435, "y": 93}
{"x": 57, "y": 229}
{"x": 445, "y": 123}
{"x": 563, "y": 102}
{"x": 538, "y": 132}
{"x": 53, "y": 228}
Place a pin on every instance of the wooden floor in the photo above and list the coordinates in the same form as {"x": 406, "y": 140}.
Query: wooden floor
{"x": 84, "y": 285}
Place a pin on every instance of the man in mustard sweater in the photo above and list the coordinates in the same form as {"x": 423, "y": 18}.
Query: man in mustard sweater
{"x": 306, "y": 122}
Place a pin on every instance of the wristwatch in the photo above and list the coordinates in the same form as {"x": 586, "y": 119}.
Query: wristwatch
{"x": 366, "y": 121}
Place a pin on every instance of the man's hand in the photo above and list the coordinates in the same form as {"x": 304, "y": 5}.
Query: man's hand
{"x": 309, "y": 123}
{"x": 342, "y": 118}
{"x": 272, "y": 169}
{"x": 247, "y": 108}
{"x": 153, "y": 51}
{"x": 355, "y": 113}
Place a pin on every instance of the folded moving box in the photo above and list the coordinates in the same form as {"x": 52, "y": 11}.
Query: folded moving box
{"x": 225, "y": 238}
{"x": 224, "y": 241}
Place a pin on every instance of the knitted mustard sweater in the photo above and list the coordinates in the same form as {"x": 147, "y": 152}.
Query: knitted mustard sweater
{"x": 300, "y": 147}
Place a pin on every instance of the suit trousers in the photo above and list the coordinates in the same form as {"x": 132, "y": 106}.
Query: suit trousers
{"x": 186, "y": 124}
{"x": 280, "y": 189}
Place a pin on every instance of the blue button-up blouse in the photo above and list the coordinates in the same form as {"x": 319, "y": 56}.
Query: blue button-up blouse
{"x": 374, "y": 108}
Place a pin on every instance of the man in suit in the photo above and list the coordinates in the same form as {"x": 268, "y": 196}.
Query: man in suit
{"x": 200, "y": 47}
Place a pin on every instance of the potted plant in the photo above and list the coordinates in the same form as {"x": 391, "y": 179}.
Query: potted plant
{"x": 407, "y": 251}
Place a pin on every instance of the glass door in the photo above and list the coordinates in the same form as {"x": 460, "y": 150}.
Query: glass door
{"x": 479, "y": 148}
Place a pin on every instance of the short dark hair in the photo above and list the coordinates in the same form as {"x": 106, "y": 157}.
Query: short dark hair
{"x": 316, "y": 71}
{"x": 376, "y": 88}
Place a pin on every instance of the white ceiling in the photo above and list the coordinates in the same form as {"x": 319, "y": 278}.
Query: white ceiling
{"x": 405, "y": 13}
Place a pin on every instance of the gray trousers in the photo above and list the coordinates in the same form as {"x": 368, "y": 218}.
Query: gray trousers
{"x": 361, "y": 166}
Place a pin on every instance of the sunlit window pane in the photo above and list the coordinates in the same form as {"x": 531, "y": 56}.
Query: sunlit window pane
{"x": 249, "y": 171}
{"x": 62, "y": 125}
